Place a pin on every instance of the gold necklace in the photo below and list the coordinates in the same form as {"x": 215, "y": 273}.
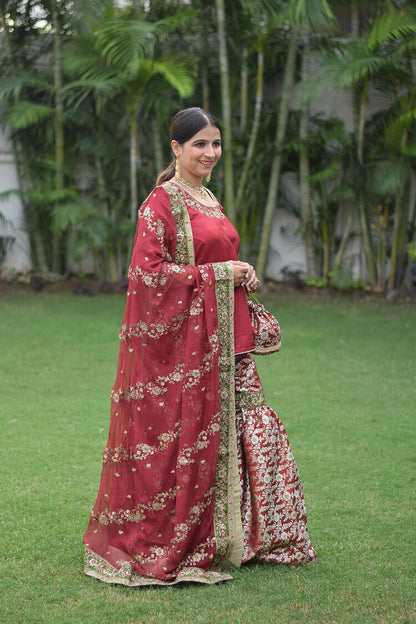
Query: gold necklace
{"x": 199, "y": 189}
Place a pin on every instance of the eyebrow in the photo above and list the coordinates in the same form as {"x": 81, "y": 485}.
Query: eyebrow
{"x": 205, "y": 140}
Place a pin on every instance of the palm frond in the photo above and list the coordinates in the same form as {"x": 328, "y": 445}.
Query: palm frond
{"x": 14, "y": 84}
{"x": 390, "y": 27}
{"x": 174, "y": 70}
{"x": 356, "y": 64}
{"x": 315, "y": 15}
{"x": 72, "y": 213}
{"x": 340, "y": 69}
{"x": 25, "y": 113}
{"x": 396, "y": 128}
{"x": 265, "y": 7}
{"x": 329, "y": 173}
{"x": 82, "y": 60}
{"x": 103, "y": 90}
{"x": 124, "y": 42}
{"x": 409, "y": 150}
{"x": 407, "y": 48}
{"x": 92, "y": 10}
{"x": 389, "y": 176}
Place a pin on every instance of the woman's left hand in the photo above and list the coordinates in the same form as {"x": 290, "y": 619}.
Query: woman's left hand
{"x": 251, "y": 282}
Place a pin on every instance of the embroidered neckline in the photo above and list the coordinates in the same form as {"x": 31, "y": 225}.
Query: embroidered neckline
{"x": 209, "y": 211}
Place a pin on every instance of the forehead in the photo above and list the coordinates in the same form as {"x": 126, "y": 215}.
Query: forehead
{"x": 209, "y": 133}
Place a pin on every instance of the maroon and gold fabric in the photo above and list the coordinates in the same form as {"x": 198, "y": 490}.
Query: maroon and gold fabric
{"x": 272, "y": 503}
{"x": 169, "y": 506}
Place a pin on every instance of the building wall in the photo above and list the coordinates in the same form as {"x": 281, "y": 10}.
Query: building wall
{"x": 18, "y": 257}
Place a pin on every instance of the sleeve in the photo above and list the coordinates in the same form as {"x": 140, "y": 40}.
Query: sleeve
{"x": 168, "y": 303}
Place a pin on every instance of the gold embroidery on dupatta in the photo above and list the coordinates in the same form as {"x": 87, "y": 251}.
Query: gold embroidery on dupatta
{"x": 227, "y": 514}
{"x": 225, "y": 490}
{"x": 185, "y": 253}
{"x": 99, "y": 568}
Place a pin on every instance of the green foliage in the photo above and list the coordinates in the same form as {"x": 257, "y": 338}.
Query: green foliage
{"x": 24, "y": 114}
{"x": 342, "y": 279}
{"x": 128, "y": 67}
{"x": 411, "y": 250}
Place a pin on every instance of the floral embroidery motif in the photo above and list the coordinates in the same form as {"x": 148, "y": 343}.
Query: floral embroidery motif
{"x": 209, "y": 211}
{"x": 187, "y": 455}
{"x": 249, "y": 400}
{"x": 227, "y": 520}
{"x": 185, "y": 253}
{"x": 153, "y": 225}
{"x": 99, "y": 568}
{"x": 165, "y": 442}
{"x": 142, "y": 451}
{"x": 139, "y": 512}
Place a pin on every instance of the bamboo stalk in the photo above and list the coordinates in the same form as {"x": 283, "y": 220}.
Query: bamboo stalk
{"x": 304, "y": 172}
{"x": 226, "y": 111}
{"x": 242, "y": 210}
{"x": 283, "y": 114}
{"x": 58, "y": 260}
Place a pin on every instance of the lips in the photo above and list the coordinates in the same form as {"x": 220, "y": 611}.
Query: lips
{"x": 207, "y": 163}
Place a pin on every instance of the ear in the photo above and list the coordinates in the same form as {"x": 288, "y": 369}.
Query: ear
{"x": 176, "y": 148}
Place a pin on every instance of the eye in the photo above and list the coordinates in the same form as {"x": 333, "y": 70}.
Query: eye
{"x": 200, "y": 144}
{"x": 217, "y": 143}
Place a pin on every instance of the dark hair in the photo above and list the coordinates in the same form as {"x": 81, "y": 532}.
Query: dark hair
{"x": 185, "y": 125}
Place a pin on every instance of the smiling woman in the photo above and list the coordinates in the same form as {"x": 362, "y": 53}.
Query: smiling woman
{"x": 197, "y": 474}
{"x": 197, "y": 157}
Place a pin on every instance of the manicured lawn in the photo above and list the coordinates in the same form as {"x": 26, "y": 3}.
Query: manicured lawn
{"x": 344, "y": 384}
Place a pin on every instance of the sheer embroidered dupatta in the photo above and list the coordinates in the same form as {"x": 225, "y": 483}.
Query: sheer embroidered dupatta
{"x": 168, "y": 505}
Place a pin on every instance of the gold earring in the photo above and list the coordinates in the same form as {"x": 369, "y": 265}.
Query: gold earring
{"x": 209, "y": 177}
{"x": 177, "y": 174}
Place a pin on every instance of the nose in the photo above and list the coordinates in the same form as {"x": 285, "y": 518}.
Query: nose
{"x": 210, "y": 150}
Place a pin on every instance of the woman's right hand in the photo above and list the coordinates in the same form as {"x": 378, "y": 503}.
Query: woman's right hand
{"x": 244, "y": 274}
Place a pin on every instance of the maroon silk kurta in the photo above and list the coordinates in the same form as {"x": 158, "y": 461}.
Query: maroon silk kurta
{"x": 174, "y": 500}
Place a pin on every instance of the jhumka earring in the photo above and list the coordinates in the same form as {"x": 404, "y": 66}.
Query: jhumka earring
{"x": 208, "y": 177}
{"x": 177, "y": 174}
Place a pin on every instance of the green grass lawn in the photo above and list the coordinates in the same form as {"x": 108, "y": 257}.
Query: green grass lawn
{"x": 344, "y": 386}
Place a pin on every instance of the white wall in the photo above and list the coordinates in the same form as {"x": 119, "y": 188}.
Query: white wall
{"x": 18, "y": 258}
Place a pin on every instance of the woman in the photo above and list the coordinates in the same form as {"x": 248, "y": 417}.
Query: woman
{"x": 197, "y": 474}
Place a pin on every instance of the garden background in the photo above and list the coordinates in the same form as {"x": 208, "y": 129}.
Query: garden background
{"x": 317, "y": 104}
{"x": 87, "y": 92}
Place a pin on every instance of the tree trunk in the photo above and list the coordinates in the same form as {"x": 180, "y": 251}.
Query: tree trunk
{"x": 244, "y": 89}
{"x": 157, "y": 146}
{"x": 37, "y": 247}
{"x": 304, "y": 173}
{"x": 226, "y": 111}
{"x": 205, "y": 87}
{"x": 362, "y": 209}
{"x": 361, "y": 123}
{"x": 365, "y": 234}
{"x": 355, "y": 18}
{"x": 288, "y": 77}
{"x": 240, "y": 209}
{"x": 344, "y": 240}
{"x": 399, "y": 250}
{"x": 58, "y": 262}
{"x": 326, "y": 260}
{"x": 133, "y": 168}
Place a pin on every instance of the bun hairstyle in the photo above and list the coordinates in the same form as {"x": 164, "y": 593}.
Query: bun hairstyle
{"x": 185, "y": 125}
